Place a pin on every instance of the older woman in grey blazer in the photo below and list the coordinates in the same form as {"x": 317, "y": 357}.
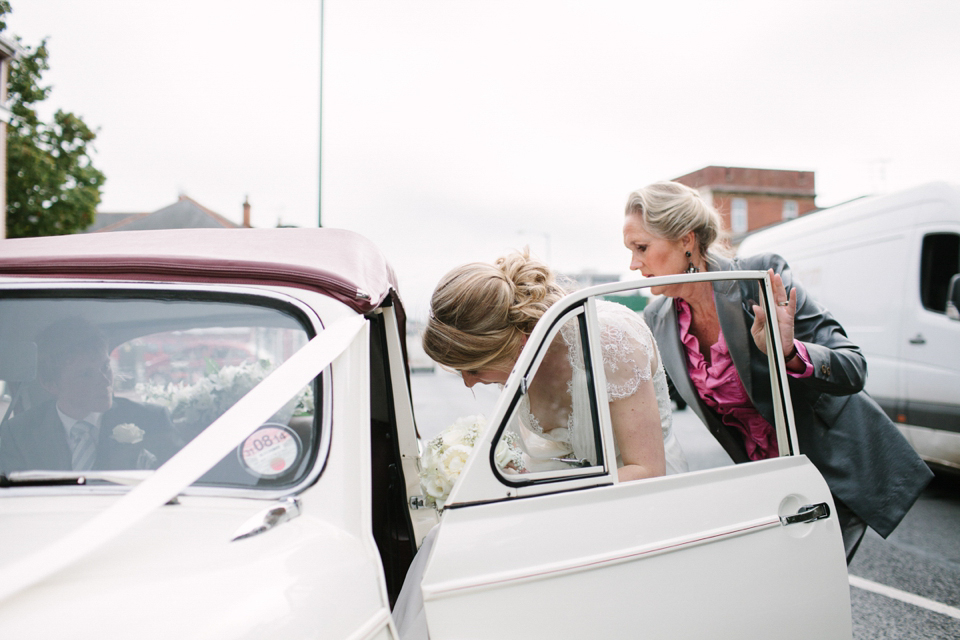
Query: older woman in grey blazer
{"x": 712, "y": 342}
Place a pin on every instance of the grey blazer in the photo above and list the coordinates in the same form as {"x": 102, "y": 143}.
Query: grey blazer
{"x": 865, "y": 460}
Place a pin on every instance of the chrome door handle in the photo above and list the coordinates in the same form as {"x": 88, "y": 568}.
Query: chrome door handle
{"x": 807, "y": 513}
{"x": 268, "y": 519}
{"x": 918, "y": 339}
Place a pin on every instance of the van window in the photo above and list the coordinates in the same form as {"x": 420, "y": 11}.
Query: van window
{"x": 939, "y": 261}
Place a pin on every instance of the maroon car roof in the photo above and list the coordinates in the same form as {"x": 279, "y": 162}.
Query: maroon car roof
{"x": 336, "y": 262}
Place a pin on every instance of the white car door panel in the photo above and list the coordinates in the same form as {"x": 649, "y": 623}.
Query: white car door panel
{"x": 697, "y": 555}
{"x": 706, "y": 554}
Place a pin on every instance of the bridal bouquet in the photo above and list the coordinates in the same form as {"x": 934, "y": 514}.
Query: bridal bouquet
{"x": 446, "y": 455}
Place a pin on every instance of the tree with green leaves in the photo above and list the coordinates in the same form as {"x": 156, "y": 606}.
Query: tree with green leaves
{"x": 52, "y": 186}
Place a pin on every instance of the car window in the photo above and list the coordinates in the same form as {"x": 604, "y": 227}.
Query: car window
{"x": 554, "y": 429}
{"x": 939, "y": 261}
{"x": 149, "y": 372}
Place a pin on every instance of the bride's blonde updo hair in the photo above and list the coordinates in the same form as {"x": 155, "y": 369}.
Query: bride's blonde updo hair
{"x": 671, "y": 210}
{"x": 481, "y": 313}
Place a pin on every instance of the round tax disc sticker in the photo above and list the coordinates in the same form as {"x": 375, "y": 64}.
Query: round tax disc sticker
{"x": 272, "y": 450}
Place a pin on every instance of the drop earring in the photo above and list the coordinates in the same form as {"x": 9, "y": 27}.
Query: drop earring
{"x": 691, "y": 268}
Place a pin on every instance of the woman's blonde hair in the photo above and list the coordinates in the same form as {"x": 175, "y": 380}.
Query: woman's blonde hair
{"x": 671, "y": 210}
{"x": 481, "y": 313}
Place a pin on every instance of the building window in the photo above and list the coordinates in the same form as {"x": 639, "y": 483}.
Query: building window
{"x": 790, "y": 209}
{"x": 738, "y": 215}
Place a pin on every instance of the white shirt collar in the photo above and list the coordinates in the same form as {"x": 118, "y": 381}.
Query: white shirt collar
{"x": 93, "y": 418}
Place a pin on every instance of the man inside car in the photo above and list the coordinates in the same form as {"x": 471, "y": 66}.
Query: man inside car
{"x": 83, "y": 427}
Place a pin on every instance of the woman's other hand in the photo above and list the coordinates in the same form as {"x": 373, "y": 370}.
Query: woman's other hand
{"x": 786, "y": 305}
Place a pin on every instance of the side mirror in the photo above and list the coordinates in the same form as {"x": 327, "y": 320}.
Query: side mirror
{"x": 953, "y": 298}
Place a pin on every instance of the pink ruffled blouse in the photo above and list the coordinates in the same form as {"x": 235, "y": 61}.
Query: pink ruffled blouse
{"x": 720, "y": 388}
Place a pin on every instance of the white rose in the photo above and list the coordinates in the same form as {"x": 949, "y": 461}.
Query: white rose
{"x": 433, "y": 485}
{"x": 508, "y": 454}
{"x": 445, "y": 456}
{"x": 453, "y": 436}
{"x": 453, "y": 461}
{"x": 469, "y": 428}
{"x": 504, "y": 454}
{"x": 127, "y": 433}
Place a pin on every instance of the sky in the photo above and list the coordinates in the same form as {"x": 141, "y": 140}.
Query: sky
{"x": 457, "y": 130}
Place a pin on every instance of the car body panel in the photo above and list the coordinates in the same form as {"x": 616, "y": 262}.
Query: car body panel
{"x": 709, "y": 542}
{"x": 167, "y": 576}
{"x": 177, "y": 571}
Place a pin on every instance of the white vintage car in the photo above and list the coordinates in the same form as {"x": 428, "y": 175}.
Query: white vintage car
{"x": 256, "y": 469}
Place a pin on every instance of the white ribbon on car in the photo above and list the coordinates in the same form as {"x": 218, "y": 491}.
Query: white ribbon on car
{"x": 183, "y": 469}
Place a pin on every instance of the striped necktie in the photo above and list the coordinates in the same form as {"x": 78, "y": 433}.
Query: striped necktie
{"x": 84, "y": 446}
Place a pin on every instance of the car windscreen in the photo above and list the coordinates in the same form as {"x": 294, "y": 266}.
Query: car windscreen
{"x": 120, "y": 381}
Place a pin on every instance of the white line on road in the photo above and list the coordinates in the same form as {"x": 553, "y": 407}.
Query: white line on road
{"x": 897, "y": 594}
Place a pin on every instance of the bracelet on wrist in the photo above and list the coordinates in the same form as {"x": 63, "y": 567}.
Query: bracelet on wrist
{"x": 793, "y": 354}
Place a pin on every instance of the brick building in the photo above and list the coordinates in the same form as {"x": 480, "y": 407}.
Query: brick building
{"x": 749, "y": 199}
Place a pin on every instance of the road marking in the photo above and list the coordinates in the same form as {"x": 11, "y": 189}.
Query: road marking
{"x": 910, "y": 598}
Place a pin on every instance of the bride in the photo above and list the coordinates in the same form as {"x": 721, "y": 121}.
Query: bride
{"x": 480, "y": 317}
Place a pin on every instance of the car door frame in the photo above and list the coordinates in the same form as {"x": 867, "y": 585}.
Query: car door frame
{"x": 505, "y": 540}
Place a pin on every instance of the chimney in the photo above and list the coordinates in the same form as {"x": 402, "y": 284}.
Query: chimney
{"x": 246, "y": 212}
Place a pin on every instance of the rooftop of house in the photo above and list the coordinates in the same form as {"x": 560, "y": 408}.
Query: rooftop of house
{"x": 185, "y": 213}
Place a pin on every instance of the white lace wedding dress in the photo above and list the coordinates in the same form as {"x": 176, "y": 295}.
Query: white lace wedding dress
{"x": 630, "y": 358}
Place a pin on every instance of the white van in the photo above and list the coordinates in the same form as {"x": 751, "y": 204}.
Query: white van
{"x": 887, "y": 268}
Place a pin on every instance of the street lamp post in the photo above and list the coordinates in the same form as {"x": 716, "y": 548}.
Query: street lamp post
{"x": 320, "y": 152}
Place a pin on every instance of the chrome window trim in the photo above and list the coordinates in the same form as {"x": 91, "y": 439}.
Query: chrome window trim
{"x": 783, "y": 411}
{"x": 592, "y": 475}
{"x": 577, "y": 302}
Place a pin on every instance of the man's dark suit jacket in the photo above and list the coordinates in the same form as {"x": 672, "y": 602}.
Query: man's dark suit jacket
{"x": 865, "y": 460}
{"x": 36, "y": 439}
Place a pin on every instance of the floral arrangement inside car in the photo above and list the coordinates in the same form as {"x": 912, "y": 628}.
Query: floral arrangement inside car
{"x": 193, "y": 407}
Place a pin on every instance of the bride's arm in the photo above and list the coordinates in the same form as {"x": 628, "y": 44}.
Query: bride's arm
{"x": 629, "y": 362}
{"x": 636, "y": 427}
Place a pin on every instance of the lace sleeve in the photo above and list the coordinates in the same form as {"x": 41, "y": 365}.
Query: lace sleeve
{"x": 629, "y": 354}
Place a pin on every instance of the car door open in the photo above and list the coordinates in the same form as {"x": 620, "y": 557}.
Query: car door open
{"x": 568, "y": 551}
